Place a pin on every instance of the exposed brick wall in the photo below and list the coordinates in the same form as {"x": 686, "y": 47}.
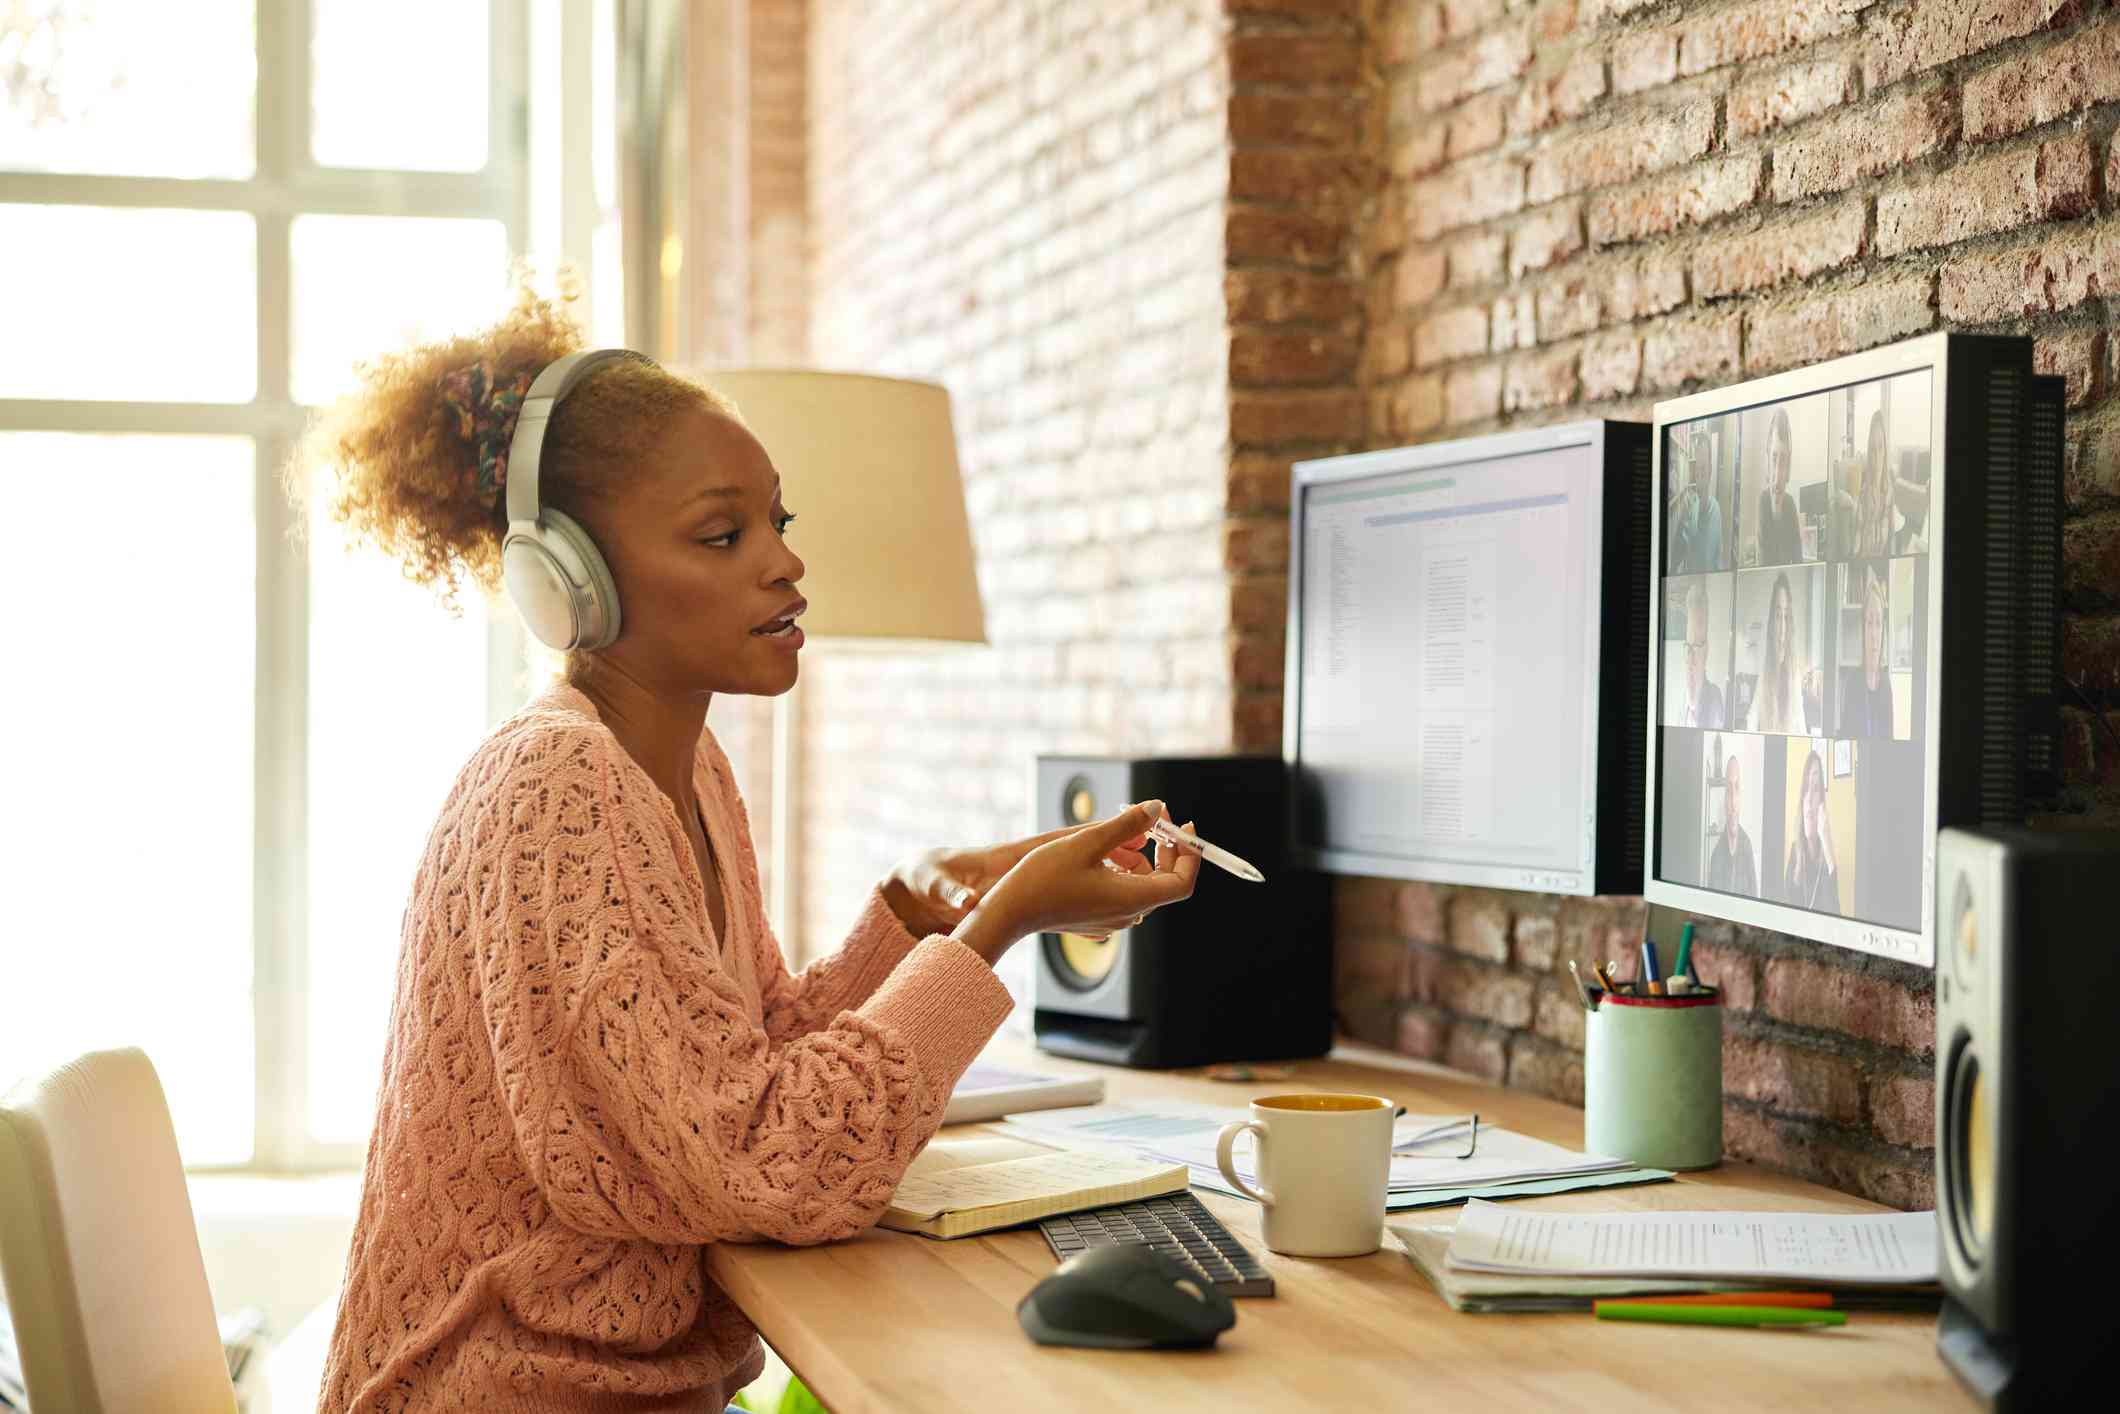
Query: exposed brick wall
{"x": 1826, "y": 1058}
{"x": 1025, "y": 201}
{"x": 1303, "y": 125}
{"x": 1594, "y": 204}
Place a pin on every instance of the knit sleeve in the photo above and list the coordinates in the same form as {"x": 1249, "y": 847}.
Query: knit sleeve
{"x": 646, "y": 1102}
{"x": 797, "y": 1004}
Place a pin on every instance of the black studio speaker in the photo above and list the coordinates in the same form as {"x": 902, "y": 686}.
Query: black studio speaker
{"x": 2027, "y": 1108}
{"x": 1239, "y": 971}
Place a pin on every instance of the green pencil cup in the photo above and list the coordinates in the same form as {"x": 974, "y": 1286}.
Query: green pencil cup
{"x": 1652, "y": 1080}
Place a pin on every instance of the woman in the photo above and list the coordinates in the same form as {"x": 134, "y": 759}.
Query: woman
{"x": 1866, "y": 691}
{"x": 1811, "y": 880}
{"x": 597, "y": 1062}
{"x": 1780, "y": 537}
{"x": 1873, "y": 523}
{"x": 1788, "y": 698}
{"x": 1696, "y": 519}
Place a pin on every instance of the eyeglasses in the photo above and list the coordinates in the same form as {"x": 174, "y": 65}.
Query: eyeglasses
{"x": 1450, "y": 1129}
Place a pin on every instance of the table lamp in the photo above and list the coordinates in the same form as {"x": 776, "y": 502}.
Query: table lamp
{"x": 870, "y": 463}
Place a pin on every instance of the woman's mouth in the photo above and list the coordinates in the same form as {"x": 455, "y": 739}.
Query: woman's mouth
{"x": 783, "y": 627}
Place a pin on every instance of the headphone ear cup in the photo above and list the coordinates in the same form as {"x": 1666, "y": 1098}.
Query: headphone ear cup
{"x": 538, "y": 586}
{"x": 594, "y": 593}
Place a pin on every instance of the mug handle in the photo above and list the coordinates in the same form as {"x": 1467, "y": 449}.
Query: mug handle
{"x": 1225, "y": 1157}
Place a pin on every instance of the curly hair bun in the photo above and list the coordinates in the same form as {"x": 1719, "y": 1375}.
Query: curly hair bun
{"x": 394, "y": 464}
{"x": 398, "y": 460}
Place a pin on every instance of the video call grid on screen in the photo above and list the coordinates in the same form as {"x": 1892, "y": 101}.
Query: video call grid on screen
{"x": 1444, "y": 640}
{"x": 1794, "y": 541}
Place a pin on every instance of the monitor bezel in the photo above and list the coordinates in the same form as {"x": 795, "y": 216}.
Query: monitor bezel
{"x": 1307, "y": 475}
{"x": 1929, "y": 351}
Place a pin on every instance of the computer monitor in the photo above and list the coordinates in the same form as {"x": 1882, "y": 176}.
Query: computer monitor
{"x": 1855, "y": 623}
{"x": 1466, "y": 649}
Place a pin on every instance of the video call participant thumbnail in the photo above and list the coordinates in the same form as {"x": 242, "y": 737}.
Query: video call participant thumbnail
{"x": 1789, "y": 696}
{"x": 1704, "y": 699}
{"x": 1880, "y": 515}
{"x": 1866, "y": 689}
{"x": 1731, "y": 867}
{"x": 1697, "y": 539}
{"x": 1780, "y": 532}
{"x": 1811, "y": 877}
{"x": 1873, "y": 503}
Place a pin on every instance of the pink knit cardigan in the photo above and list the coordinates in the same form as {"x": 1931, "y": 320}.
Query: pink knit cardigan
{"x": 583, "y": 1086}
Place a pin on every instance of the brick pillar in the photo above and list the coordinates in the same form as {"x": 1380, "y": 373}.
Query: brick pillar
{"x": 1301, "y": 171}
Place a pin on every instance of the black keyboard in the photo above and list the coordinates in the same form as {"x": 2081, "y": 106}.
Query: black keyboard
{"x": 1178, "y": 1226}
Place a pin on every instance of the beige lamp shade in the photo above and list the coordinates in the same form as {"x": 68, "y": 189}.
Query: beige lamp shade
{"x": 870, "y": 466}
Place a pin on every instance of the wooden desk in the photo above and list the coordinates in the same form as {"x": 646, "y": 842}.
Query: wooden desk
{"x": 891, "y": 1321}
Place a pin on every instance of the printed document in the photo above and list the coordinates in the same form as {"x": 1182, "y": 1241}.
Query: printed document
{"x": 1842, "y": 1248}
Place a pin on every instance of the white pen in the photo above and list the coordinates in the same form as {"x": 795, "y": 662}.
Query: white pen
{"x": 1170, "y": 834}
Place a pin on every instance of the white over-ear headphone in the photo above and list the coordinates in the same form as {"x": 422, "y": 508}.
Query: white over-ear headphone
{"x": 558, "y": 581}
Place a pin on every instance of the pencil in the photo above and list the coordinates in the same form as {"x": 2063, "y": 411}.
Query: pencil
{"x": 1715, "y": 1315}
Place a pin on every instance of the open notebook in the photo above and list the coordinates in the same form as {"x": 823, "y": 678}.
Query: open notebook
{"x": 961, "y": 1186}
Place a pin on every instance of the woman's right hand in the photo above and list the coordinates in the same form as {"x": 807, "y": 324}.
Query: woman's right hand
{"x": 1066, "y": 884}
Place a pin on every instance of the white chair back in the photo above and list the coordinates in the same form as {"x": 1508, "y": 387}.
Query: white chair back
{"x": 98, "y": 1249}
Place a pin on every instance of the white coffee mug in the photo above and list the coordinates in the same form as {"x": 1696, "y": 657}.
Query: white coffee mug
{"x": 1323, "y": 1163}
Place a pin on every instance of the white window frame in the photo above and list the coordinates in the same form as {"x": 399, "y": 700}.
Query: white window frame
{"x": 287, "y": 182}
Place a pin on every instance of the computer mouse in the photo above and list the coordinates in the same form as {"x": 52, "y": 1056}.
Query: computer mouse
{"x": 1125, "y": 1297}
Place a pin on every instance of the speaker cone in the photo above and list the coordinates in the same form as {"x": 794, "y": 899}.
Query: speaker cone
{"x": 1078, "y": 801}
{"x": 1079, "y": 961}
{"x": 1969, "y": 1150}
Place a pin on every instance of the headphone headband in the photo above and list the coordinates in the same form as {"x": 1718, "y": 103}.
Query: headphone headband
{"x": 527, "y": 444}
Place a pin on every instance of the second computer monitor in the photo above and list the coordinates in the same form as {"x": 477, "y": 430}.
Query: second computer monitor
{"x": 1855, "y": 598}
{"x": 1465, "y": 696}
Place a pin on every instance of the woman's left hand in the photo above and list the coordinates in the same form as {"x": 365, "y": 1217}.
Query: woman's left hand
{"x": 932, "y": 891}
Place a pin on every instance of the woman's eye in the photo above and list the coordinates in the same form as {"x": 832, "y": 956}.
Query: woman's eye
{"x": 728, "y": 538}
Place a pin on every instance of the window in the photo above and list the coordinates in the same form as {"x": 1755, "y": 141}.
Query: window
{"x": 129, "y": 834}
{"x": 235, "y": 743}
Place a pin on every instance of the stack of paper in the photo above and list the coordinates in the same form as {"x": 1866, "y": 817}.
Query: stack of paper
{"x": 1428, "y": 1248}
{"x": 1837, "y": 1249}
{"x": 1494, "y": 1260}
{"x": 1504, "y": 1165}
